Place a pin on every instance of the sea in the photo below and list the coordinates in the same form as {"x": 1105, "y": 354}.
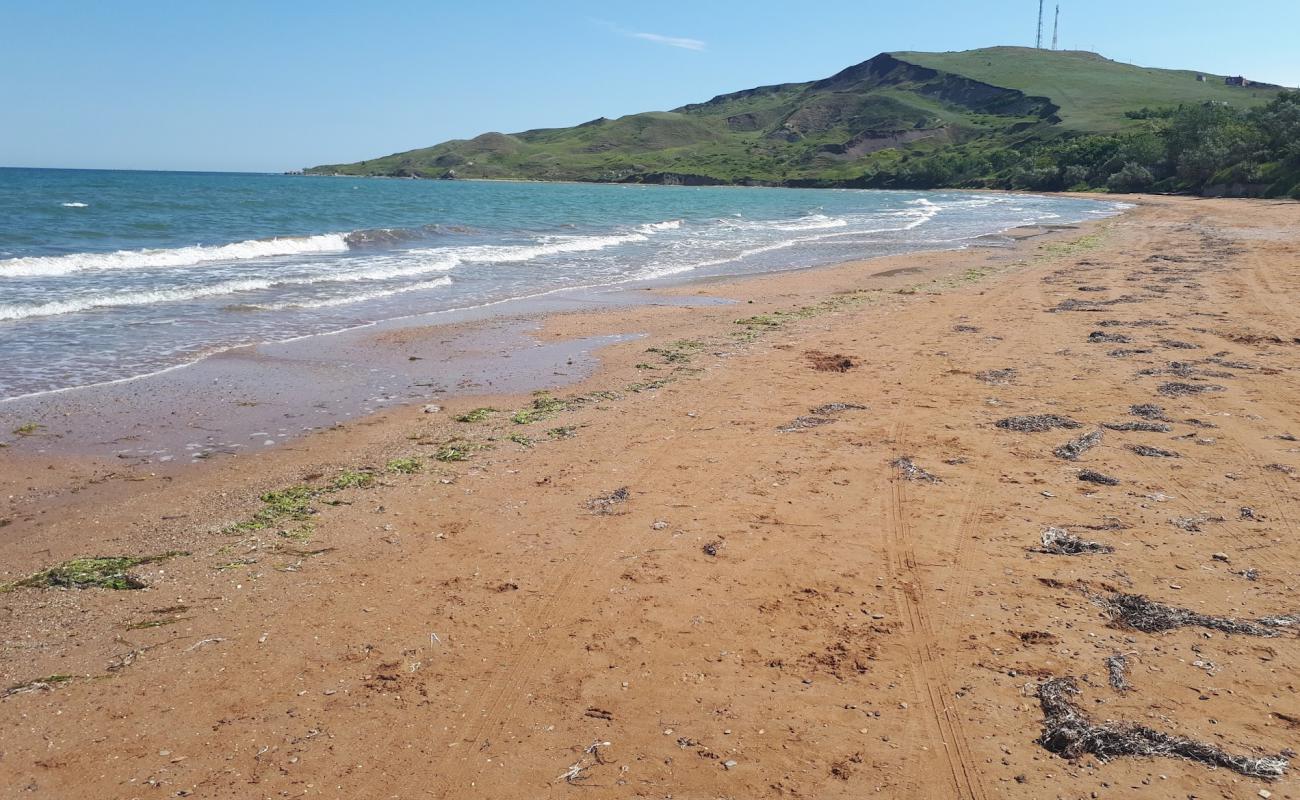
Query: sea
{"x": 110, "y": 275}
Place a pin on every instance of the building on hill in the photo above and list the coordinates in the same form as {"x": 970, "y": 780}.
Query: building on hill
{"x": 1236, "y": 80}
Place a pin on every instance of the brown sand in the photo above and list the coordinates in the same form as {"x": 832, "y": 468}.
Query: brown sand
{"x": 773, "y": 609}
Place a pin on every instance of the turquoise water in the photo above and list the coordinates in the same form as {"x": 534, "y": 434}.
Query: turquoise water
{"x": 108, "y": 275}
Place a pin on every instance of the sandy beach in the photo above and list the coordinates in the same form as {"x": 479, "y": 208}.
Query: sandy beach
{"x": 772, "y": 543}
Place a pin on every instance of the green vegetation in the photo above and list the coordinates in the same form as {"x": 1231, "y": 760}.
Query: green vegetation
{"x": 1002, "y": 117}
{"x": 100, "y": 572}
{"x": 456, "y": 450}
{"x": 544, "y": 406}
{"x": 27, "y": 429}
{"x": 477, "y": 415}
{"x": 353, "y": 479}
{"x": 404, "y": 466}
{"x": 520, "y": 439}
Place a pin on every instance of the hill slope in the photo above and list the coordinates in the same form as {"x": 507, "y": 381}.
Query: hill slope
{"x": 858, "y": 127}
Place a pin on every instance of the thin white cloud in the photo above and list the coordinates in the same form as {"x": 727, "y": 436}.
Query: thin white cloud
{"x": 671, "y": 41}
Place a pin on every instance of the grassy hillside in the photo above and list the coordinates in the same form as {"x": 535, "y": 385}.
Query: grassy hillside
{"x": 1093, "y": 92}
{"x": 995, "y": 117}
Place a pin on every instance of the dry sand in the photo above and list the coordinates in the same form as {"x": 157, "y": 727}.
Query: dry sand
{"x": 714, "y": 588}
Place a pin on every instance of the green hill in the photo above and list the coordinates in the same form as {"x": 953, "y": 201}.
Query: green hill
{"x": 975, "y": 118}
{"x": 1093, "y": 92}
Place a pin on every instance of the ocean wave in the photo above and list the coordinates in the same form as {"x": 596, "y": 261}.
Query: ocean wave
{"x": 655, "y": 227}
{"x": 74, "y": 205}
{"x": 812, "y": 222}
{"x": 15, "y": 311}
{"x": 48, "y": 266}
{"x": 349, "y": 299}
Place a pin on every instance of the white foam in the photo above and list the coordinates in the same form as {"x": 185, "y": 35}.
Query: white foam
{"x": 43, "y": 266}
{"x": 15, "y": 311}
{"x": 74, "y": 205}
{"x": 655, "y": 227}
{"x": 812, "y": 222}
{"x": 355, "y": 298}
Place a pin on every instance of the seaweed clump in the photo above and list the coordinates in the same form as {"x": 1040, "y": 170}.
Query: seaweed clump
{"x": 1069, "y": 732}
{"x": 909, "y": 471}
{"x": 606, "y": 504}
{"x": 1037, "y": 423}
{"x": 1092, "y": 476}
{"x": 1152, "y": 452}
{"x": 1143, "y": 614}
{"x": 1060, "y": 542}
{"x": 1071, "y": 450}
{"x": 100, "y": 572}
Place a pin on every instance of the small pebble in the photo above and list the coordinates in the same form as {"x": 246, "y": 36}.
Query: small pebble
{"x": 728, "y": 764}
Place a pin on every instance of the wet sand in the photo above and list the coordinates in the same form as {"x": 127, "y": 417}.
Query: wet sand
{"x": 789, "y": 557}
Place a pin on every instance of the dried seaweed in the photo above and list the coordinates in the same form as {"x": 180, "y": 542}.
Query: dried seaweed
{"x": 1176, "y": 389}
{"x": 1069, "y": 732}
{"x": 1144, "y": 614}
{"x": 965, "y": 329}
{"x": 1177, "y": 345}
{"x": 909, "y": 471}
{"x": 1117, "y": 671}
{"x": 996, "y": 377}
{"x": 804, "y": 423}
{"x": 1071, "y": 450}
{"x": 1091, "y": 476}
{"x": 835, "y": 408}
{"x": 1152, "y": 452}
{"x": 1193, "y": 524}
{"x": 1037, "y": 423}
{"x": 1060, "y": 542}
{"x": 605, "y": 504}
{"x": 1126, "y": 352}
{"x": 1101, "y": 337}
{"x": 1146, "y": 427}
{"x": 1148, "y": 411}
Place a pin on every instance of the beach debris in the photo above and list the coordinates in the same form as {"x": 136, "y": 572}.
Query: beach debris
{"x": 1193, "y": 524}
{"x": 965, "y": 329}
{"x": 606, "y": 504}
{"x": 576, "y": 773}
{"x": 835, "y": 408}
{"x": 1176, "y": 389}
{"x": 1037, "y": 423}
{"x": 909, "y": 471}
{"x": 1125, "y": 352}
{"x": 1117, "y": 672}
{"x": 45, "y": 684}
{"x": 804, "y": 423}
{"x": 1141, "y": 613}
{"x": 1247, "y": 513}
{"x": 1059, "y": 541}
{"x": 1101, "y": 337}
{"x": 711, "y": 549}
{"x": 1174, "y": 344}
{"x": 1149, "y": 411}
{"x": 432, "y": 408}
{"x": 997, "y": 377}
{"x": 1093, "y": 288}
{"x": 1152, "y": 452}
{"x": 1137, "y": 323}
{"x": 1251, "y": 574}
{"x": 1146, "y": 427}
{"x": 1092, "y": 476}
{"x": 100, "y": 572}
{"x": 830, "y": 362}
{"x": 1069, "y": 732}
{"x": 1071, "y": 450}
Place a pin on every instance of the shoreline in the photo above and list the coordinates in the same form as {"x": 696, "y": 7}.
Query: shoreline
{"x": 35, "y": 408}
{"x": 700, "y": 553}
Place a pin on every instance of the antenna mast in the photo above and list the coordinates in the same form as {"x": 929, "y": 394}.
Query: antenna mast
{"x": 1056, "y": 27}
{"x": 1038, "y": 44}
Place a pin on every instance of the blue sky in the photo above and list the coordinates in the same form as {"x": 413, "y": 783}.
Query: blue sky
{"x": 243, "y": 85}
